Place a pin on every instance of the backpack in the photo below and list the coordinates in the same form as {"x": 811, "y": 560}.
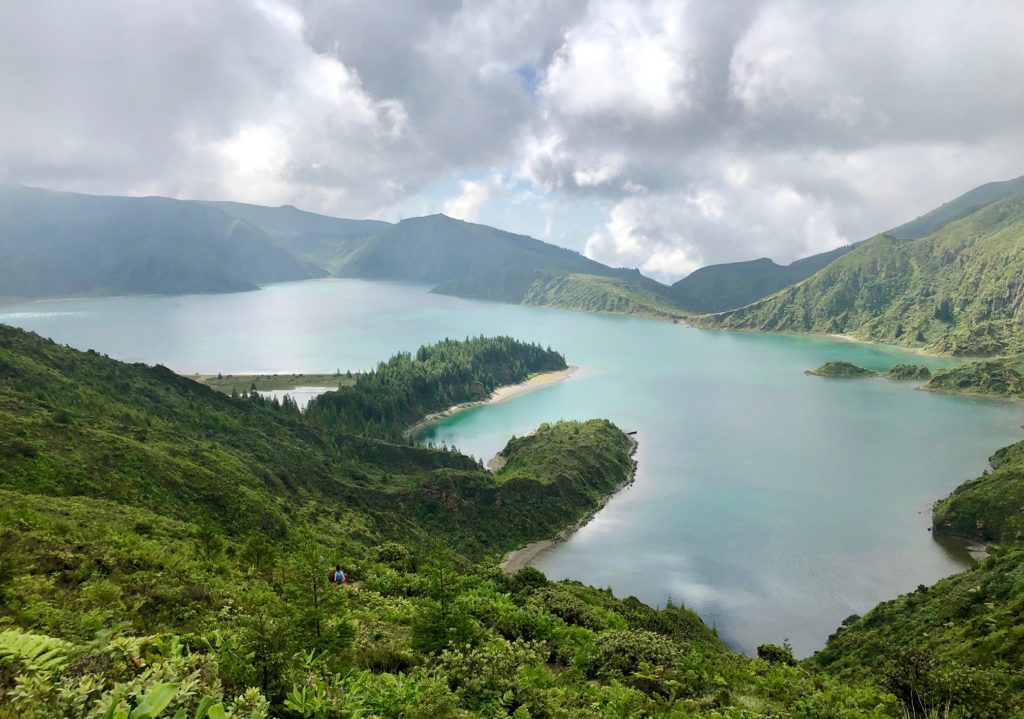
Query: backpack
{"x": 338, "y": 577}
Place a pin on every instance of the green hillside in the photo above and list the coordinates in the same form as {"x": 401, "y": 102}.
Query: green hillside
{"x": 962, "y": 206}
{"x": 958, "y": 643}
{"x": 163, "y": 545}
{"x": 991, "y": 507}
{"x": 583, "y": 292}
{"x": 717, "y": 288}
{"x": 957, "y": 291}
{"x": 61, "y": 243}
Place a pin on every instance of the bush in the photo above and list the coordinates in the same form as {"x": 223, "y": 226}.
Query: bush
{"x": 774, "y": 654}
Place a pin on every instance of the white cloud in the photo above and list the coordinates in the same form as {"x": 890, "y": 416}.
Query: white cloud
{"x": 474, "y": 195}
{"x": 627, "y": 60}
{"x": 669, "y": 134}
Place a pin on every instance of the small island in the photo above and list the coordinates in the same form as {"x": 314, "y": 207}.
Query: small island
{"x": 846, "y": 370}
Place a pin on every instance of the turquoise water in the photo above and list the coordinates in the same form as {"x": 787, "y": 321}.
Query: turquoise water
{"x": 773, "y": 503}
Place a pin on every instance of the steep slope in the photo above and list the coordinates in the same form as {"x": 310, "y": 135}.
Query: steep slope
{"x": 959, "y": 291}
{"x": 437, "y": 248}
{"x": 320, "y": 240}
{"x": 991, "y": 507}
{"x": 962, "y": 206}
{"x": 717, "y": 288}
{"x": 60, "y": 243}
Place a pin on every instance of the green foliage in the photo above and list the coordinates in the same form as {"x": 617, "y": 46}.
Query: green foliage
{"x": 774, "y": 654}
{"x": 909, "y": 372}
{"x": 991, "y": 507}
{"x": 836, "y": 368}
{"x": 403, "y": 390}
{"x": 993, "y": 378}
{"x": 956, "y": 291}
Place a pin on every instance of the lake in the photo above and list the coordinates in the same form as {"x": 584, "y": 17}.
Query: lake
{"x": 773, "y": 503}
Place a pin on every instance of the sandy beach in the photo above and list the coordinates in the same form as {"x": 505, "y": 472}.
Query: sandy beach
{"x": 501, "y": 394}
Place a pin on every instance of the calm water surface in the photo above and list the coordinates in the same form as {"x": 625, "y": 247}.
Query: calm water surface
{"x": 773, "y": 503}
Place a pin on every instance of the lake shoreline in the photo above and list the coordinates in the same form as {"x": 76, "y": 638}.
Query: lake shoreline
{"x": 523, "y": 556}
{"x": 501, "y": 394}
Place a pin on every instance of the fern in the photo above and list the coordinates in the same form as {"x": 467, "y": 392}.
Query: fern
{"x": 34, "y": 653}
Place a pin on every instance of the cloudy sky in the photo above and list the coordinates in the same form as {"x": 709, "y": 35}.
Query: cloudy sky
{"x": 662, "y": 135}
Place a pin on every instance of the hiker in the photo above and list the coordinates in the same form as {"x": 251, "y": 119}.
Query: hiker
{"x": 337, "y": 576}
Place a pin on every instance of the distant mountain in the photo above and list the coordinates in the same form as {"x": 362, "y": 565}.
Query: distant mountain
{"x": 958, "y": 291}
{"x": 960, "y": 207}
{"x": 437, "y": 248}
{"x": 323, "y": 241}
{"x": 717, "y": 288}
{"x": 62, "y": 243}
{"x": 59, "y": 243}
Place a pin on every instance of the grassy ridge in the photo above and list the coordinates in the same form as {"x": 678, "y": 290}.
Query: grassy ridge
{"x": 957, "y": 291}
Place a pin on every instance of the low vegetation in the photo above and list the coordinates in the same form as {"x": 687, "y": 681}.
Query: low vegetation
{"x": 992, "y": 378}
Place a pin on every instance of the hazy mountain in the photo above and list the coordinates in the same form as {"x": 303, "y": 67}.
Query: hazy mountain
{"x": 437, "y": 248}
{"x": 959, "y": 290}
{"x": 318, "y": 239}
{"x": 62, "y": 243}
{"x": 716, "y": 288}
